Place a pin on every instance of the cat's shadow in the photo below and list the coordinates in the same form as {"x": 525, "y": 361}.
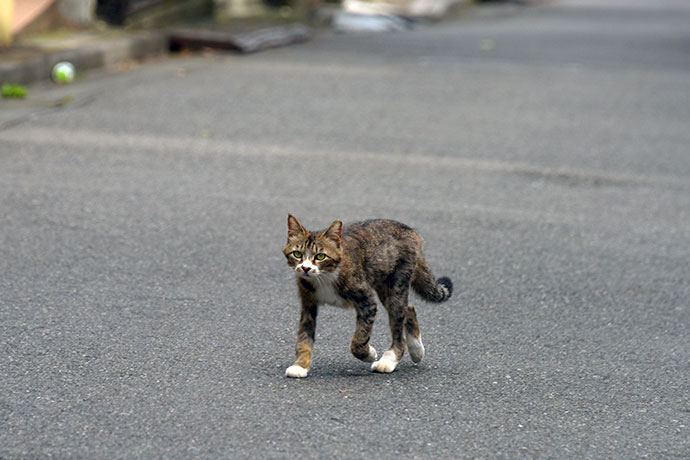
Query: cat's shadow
{"x": 335, "y": 371}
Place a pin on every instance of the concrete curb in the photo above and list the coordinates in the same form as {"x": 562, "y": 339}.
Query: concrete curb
{"x": 106, "y": 53}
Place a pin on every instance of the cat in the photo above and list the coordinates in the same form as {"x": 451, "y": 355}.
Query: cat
{"x": 349, "y": 267}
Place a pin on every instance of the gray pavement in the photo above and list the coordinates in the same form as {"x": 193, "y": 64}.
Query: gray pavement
{"x": 146, "y": 310}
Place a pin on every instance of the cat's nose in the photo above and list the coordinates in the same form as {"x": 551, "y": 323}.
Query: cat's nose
{"x": 306, "y": 269}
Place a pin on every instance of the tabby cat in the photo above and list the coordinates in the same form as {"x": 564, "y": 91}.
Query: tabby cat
{"x": 348, "y": 267}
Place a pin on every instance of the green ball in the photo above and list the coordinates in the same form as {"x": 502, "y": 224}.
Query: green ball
{"x": 63, "y": 72}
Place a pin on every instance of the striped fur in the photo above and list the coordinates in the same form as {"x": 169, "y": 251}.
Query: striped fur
{"x": 352, "y": 267}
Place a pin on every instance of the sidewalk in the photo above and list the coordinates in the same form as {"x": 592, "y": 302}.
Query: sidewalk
{"x": 31, "y": 60}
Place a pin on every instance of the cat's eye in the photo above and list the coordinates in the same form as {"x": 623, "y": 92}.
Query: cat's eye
{"x": 320, "y": 256}
{"x": 297, "y": 254}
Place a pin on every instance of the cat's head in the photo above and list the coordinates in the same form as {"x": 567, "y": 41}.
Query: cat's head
{"x": 313, "y": 254}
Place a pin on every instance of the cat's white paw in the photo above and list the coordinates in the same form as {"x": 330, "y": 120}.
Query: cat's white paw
{"x": 386, "y": 364}
{"x": 372, "y": 355}
{"x": 295, "y": 371}
{"x": 416, "y": 348}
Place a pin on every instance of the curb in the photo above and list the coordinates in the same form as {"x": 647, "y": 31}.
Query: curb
{"x": 103, "y": 54}
{"x": 95, "y": 53}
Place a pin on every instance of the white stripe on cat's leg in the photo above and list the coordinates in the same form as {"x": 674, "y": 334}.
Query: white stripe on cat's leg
{"x": 372, "y": 355}
{"x": 413, "y": 336}
{"x": 415, "y": 347}
{"x": 387, "y": 363}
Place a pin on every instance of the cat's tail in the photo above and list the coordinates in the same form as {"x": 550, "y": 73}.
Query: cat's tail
{"x": 429, "y": 288}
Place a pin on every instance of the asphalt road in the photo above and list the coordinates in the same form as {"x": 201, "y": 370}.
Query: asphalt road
{"x": 146, "y": 310}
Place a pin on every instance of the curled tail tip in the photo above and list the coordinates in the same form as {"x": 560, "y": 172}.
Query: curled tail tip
{"x": 447, "y": 286}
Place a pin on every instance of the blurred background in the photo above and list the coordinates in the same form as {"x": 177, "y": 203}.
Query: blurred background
{"x": 27, "y": 16}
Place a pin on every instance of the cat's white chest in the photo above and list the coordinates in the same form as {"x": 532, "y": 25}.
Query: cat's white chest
{"x": 327, "y": 292}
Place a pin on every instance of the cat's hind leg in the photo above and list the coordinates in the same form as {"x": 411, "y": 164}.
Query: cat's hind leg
{"x": 413, "y": 336}
{"x": 394, "y": 292}
{"x": 396, "y": 306}
{"x": 391, "y": 357}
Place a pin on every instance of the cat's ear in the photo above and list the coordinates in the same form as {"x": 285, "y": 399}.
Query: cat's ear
{"x": 294, "y": 227}
{"x": 334, "y": 232}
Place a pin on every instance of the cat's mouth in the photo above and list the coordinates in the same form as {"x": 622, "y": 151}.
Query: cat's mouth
{"x": 306, "y": 274}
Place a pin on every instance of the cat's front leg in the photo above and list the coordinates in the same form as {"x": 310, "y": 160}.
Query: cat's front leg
{"x": 359, "y": 346}
{"x": 305, "y": 341}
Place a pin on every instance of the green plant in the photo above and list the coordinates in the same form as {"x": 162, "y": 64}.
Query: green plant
{"x": 13, "y": 91}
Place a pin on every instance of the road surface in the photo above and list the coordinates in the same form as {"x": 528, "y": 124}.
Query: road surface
{"x": 146, "y": 310}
